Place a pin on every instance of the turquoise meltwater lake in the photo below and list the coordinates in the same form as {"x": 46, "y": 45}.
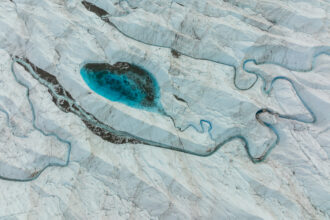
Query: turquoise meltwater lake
{"x": 125, "y": 83}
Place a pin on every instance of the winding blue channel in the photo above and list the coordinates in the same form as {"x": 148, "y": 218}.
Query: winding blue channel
{"x": 200, "y": 130}
{"x": 37, "y": 174}
{"x": 325, "y": 51}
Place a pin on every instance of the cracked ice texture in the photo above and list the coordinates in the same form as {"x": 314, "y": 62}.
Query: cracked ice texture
{"x": 144, "y": 182}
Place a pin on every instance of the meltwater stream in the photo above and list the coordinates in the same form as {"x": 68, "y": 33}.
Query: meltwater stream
{"x": 37, "y": 173}
{"x": 135, "y": 87}
{"x": 146, "y": 97}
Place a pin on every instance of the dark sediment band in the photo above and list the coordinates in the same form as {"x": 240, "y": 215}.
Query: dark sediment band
{"x": 98, "y": 11}
{"x": 63, "y": 99}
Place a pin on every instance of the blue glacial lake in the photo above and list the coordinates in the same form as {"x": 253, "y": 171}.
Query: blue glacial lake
{"x": 123, "y": 82}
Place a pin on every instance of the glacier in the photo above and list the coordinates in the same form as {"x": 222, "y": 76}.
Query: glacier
{"x": 123, "y": 82}
{"x": 241, "y": 127}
